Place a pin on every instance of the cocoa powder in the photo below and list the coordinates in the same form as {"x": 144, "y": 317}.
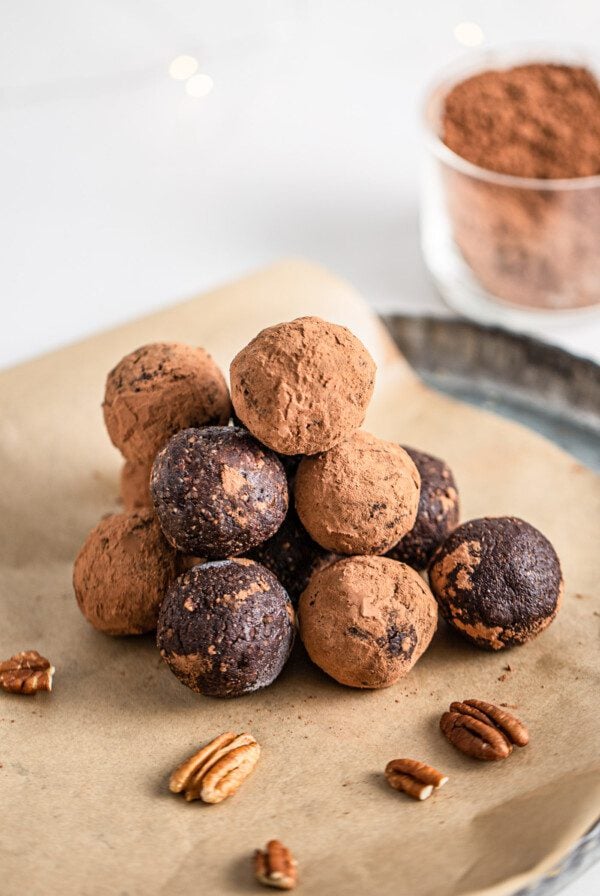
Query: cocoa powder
{"x": 537, "y": 120}
{"x": 527, "y": 246}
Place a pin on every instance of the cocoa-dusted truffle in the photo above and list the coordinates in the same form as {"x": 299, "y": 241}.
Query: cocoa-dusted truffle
{"x": 360, "y": 497}
{"x": 497, "y": 581}
{"x": 135, "y": 485}
{"x": 122, "y": 572}
{"x": 226, "y": 628}
{"x": 159, "y": 389}
{"x": 437, "y": 514}
{"x": 217, "y": 492}
{"x": 367, "y": 620}
{"x": 290, "y": 554}
{"x": 301, "y": 387}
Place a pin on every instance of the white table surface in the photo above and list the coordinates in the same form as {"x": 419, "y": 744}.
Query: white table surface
{"x": 120, "y": 193}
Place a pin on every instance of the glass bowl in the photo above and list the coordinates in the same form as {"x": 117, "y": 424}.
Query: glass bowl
{"x": 505, "y": 249}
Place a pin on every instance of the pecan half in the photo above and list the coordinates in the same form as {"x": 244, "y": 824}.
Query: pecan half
{"x": 474, "y": 738}
{"x": 26, "y": 673}
{"x": 417, "y": 779}
{"x": 218, "y": 769}
{"x": 482, "y": 730}
{"x": 275, "y": 866}
{"x": 512, "y": 728}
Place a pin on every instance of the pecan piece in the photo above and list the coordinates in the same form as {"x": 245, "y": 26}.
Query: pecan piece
{"x": 512, "y": 728}
{"x": 26, "y": 673}
{"x": 184, "y": 773}
{"x": 218, "y": 769}
{"x": 275, "y": 866}
{"x": 417, "y": 779}
{"x": 474, "y": 737}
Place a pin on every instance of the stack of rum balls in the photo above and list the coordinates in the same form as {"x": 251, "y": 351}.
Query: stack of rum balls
{"x": 240, "y": 511}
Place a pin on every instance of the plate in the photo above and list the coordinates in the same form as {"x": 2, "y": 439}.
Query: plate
{"x": 539, "y": 385}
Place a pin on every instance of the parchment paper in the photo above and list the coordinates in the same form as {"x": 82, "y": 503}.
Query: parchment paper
{"x": 83, "y": 782}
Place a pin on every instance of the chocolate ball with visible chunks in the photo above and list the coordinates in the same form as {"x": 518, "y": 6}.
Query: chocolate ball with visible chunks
{"x": 291, "y": 555}
{"x": 497, "y": 581}
{"x": 218, "y": 492}
{"x": 301, "y": 387}
{"x": 122, "y": 572}
{"x": 226, "y": 628}
{"x": 366, "y": 620}
{"x": 158, "y": 389}
{"x": 437, "y": 513}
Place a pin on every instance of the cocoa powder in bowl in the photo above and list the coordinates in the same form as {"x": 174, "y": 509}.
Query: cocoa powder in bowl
{"x": 528, "y": 246}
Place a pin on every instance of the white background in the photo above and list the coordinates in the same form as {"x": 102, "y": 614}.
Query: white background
{"x": 119, "y": 193}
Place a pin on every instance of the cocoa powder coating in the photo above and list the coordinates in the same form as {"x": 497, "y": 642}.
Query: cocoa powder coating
{"x": 217, "y": 492}
{"x": 159, "y": 389}
{"x": 122, "y": 572}
{"x": 366, "y": 620}
{"x": 437, "y": 514}
{"x": 497, "y": 581}
{"x": 360, "y": 497}
{"x": 226, "y": 628}
{"x": 301, "y": 387}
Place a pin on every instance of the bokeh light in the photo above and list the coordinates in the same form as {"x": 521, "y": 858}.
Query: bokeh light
{"x": 183, "y": 67}
{"x": 469, "y": 34}
{"x": 199, "y": 85}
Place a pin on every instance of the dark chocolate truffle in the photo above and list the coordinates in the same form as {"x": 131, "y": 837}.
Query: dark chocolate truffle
{"x": 135, "y": 485}
{"x": 159, "y": 389}
{"x": 360, "y": 497}
{"x": 302, "y": 387}
{"x": 367, "y": 620}
{"x": 122, "y": 572}
{"x": 437, "y": 514}
{"x": 290, "y": 554}
{"x": 226, "y": 628}
{"x": 217, "y": 492}
{"x": 497, "y": 581}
